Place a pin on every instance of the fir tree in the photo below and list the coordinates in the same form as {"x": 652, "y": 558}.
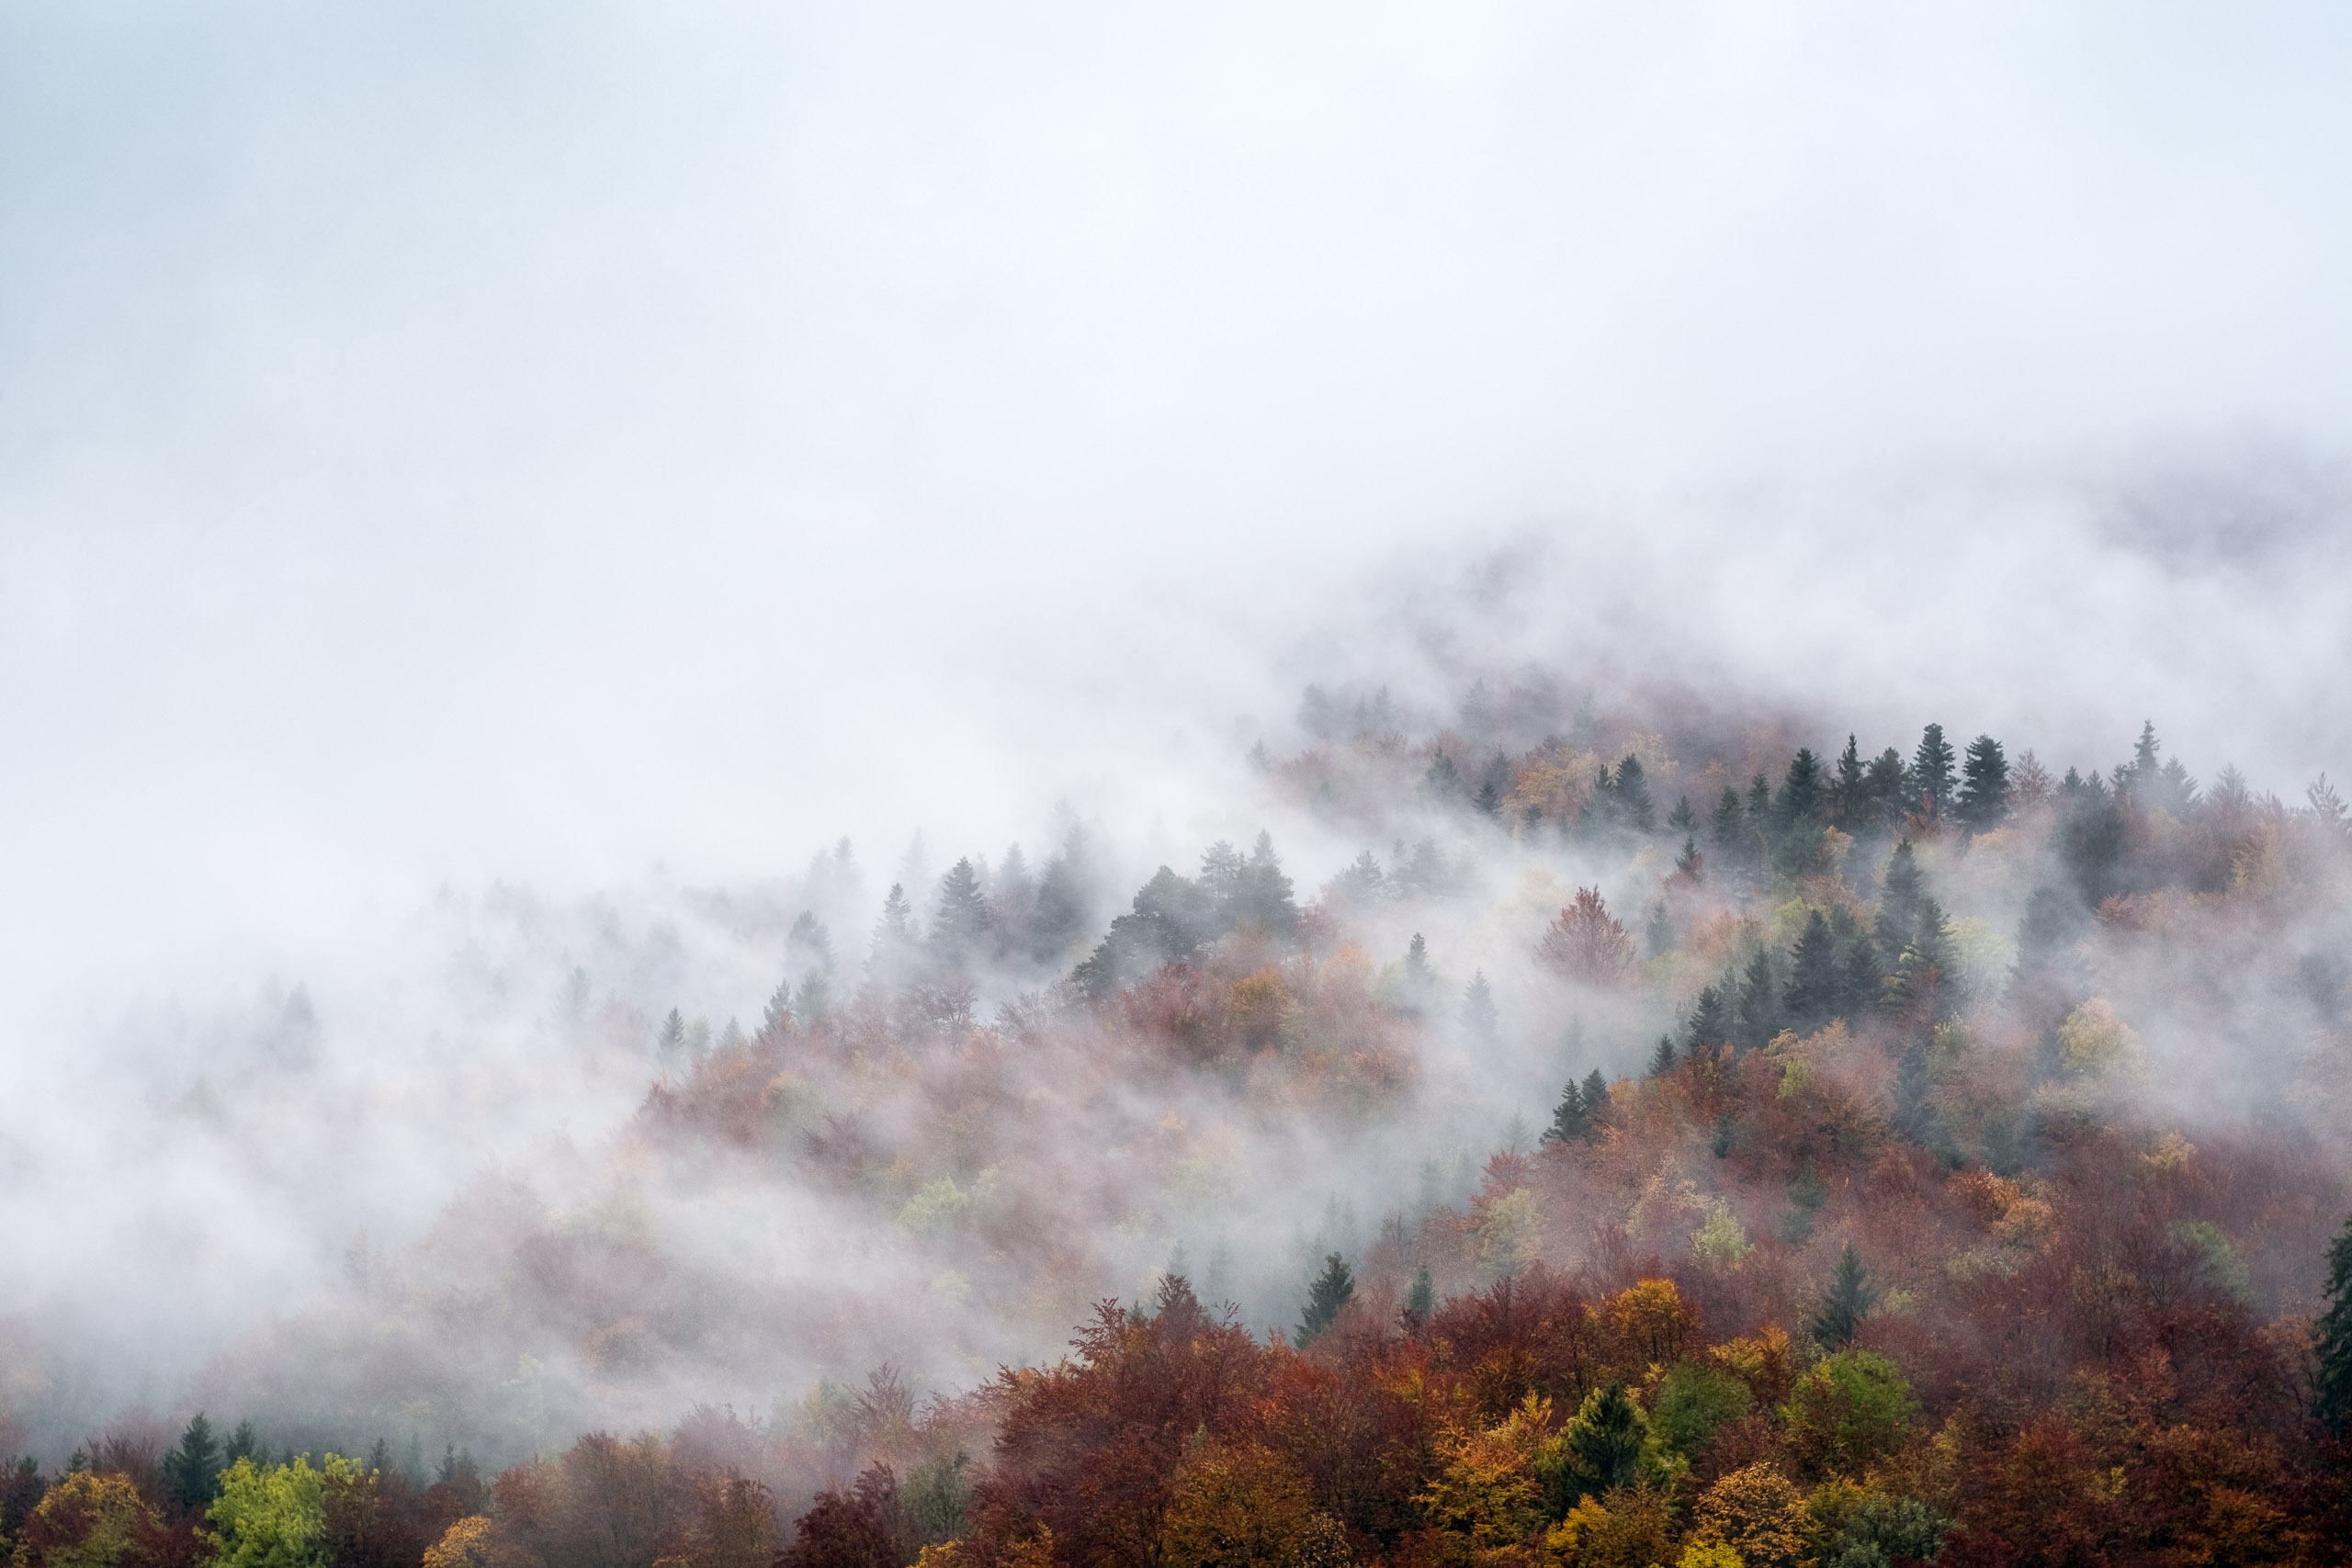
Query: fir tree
{"x": 1421, "y": 1299}
{"x": 1847, "y": 794}
{"x": 1632, "y": 797}
{"x": 1849, "y": 1301}
{"x": 1596, "y": 1100}
{"x": 1489, "y": 801}
{"x": 1811, "y": 994}
{"x": 192, "y": 1467}
{"x": 1862, "y": 980}
{"x": 2332, "y": 1340}
{"x": 1900, "y": 893}
{"x": 1480, "y": 1022}
{"x": 1985, "y": 789}
{"x": 1689, "y": 863}
{"x": 1062, "y": 913}
{"x": 1886, "y": 791}
{"x": 892, "y": 958}
{"x": 1662, "y": 1059}
{"x": 777, "y": 1017}
{"x": 671, "y": 1048}
{"x": 1757, "y": 1013}
{"x": 1724, "y": 826}
{"x": 1682, "y": 819}
{"x": 1801, "y": 789}
{"x": 960, "y": 927}
{"x": 1331, "y": 1291}
{"x": 1569, "y": 1118}
{"x": 1658, "y": 934}
{"x": 1263, "y": 894}
{"x": 1443, "y": 779}
{"x": 1710, "y": 1020}
{"x": 1932, "y": 775}
{"x": 1604, "y": 1442}
{"x": 1419, "y": 978}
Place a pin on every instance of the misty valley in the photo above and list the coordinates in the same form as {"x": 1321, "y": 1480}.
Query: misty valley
{"x": 1547, "y": 1133}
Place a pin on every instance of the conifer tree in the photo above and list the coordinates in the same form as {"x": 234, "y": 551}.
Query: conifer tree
{"x": 1062, "y": 914}
{"x": 1657, "y": 936}
{"x": 1932, "y": 775}
{"x": 671, "y": 1048}
{"x": 1847, "y": 796}
{"x": 776, "y": 1015}
{"x": 1724, "y": 826}
{"x": 1489, "y": 801}
{"x": 1899, "y": 902}
{"x": 1682, "y": 819}
{"x": 895, "y": 944}
{"x": 1569, "y": 1118}
{"x": 1849, "y": 1302}
{"x": 1480, "y": 1022}
{"x": 1801, "y": 789}
{"x": 960, "y": 925}
{"x": 1811, "y": 994}
{"x": 1689, "y": 862}
{"x": 1886, "y": 791}
{"x": 1263, "y": 895}
{"x": 1632, "y": 797}
{"x": 1419, "y": 978}
{"x": 1710, "y": 1020}
{"x": 1329, "y": 1292}
{"x": 1443, "y": 779}
{"x": 1862, "y": 980}
{"x": 1596, "y": 1098}
{"x": 2332, "y": 1340}
{"x": 1662, "y": 1059}
{"x": 1605, "y": 1440}
{"x": 1985, "y": 790}
{"x": 1421, "y": 1299}
{"x": 1757, "y": 1011}
{"x": 192, "y": 1467}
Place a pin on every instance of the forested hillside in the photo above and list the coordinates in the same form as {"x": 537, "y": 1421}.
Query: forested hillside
{"x": 1658, "y": 1141}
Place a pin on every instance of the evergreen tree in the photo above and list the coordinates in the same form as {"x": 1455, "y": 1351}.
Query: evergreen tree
{"x": 1264, "y": 896}
{"x": 1801, "y": 789}
{"x": 777, "y": 1017}
{"x": 1757, "y": 1011}
{"x": 959, "y": 928}
{"x": 1443, "y": 779}
{"x": 192, "y": 1467}
{"x": 1421, "y": 1299}
{"x": 1569, "y": 1118}
{"x": 1985, "y": 789}
{"x": 1662, "y": 1059}
{"x": 1932, "y": 775}
{"x": 1480, "y": 1022}
{"x": 1063, "y": 913}
{"x": 1596, "y": 1098}
{"x": 1489, "y": 801}
{"x": 1689, "y": 862}
{"x": 1658, "y": 934}
{"x": 1682, "y": 819}
{"x": 1886, "y": 791}
{"x": 670, "y": 1049}
{"x": 2048, "y": 978}
{"x": 1900, "y": 894}
{"x": 1811, "y": 994}
{"x": 242, "y": 1444}
{"x": 2332, "y": 1340}
{"x": 2090, "y": 837}
{"x": 1863, "y": 979}
{"x": 1849, "y": 1302}
{"x": 1331, "y": 1291}
{"x": 1710, "y": 1020}
{"x": 1724, "y": 826}
{"x": 1419, "y": 978}
{"x": 1604, "y": 1442}
{"x": 895, "y": 944}
{"x": 1847, "y": 790}
{"x": 1632, "y": 797}
{"x": 1911, "y": 1086}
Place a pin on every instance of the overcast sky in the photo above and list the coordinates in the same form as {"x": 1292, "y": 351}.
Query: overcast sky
{"x": 449, "y": 441}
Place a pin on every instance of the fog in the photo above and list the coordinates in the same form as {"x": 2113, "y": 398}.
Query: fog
{"x": 484, "y": 491}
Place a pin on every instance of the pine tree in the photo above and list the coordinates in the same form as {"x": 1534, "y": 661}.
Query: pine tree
{"x": 1932, "y": 775}
{"x": 2332, "y": 1340}
{"x": 1662, "y": 1059}
{"x": 960, "y": 927}
{"x": 1480, "y": 1022}
{"x": 1811, "y": 996}
{"x": 1724, "y": 826}
{"x": 1657, "y": 936}
{"x": 1757, "y": 1011}
{"x": 1849, "y": 1301}
{"x": 192, "y": 1467}
{"x": 1633, "y": 796}
{"x": 1710, "y": 1020}
{"x": 1985, "y": 790}
{"x": 1569, "y": 1118}
{"x": 1420, "y": 1302}
{"x": 1331, "y": 1291}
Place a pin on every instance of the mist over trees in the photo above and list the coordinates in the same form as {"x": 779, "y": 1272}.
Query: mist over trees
{"x": 1869, "y": 1157}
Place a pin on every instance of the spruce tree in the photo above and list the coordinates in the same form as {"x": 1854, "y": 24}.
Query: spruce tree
{"x": 1262, "y": 895}
{"x": 1568, "y": 1117}
{"x": 1724, "y": 826}
{"x": 1801, "y": 789}
{"x": 1682, "y": 819}
{"x": 192, "y": 1467}
{"x": 1710, "y": 1022}
{"x": 892, "y": 958}
{"x": 1758, "y": 1012}
{"x": 1331, "y": 1291}
{"x": 1899, "y": 902}
{"x": 960, "y": 927}
{"x": 1662, "y": 1059}
{"x": 777, "y": 1017}
{"x": 1605, "y": 1439}
{"x": 1886, "y": 791}
{"x": 1420, "y": 1302}
{"x": 1658, "y": 934}
{"x": 1479, "y": 1019}
{"x": 1062, "y": 915}
{"x": 1862, "y": 980}
{"x": 2332, "y": 1340}
{"x": 1811, "y": 994}
{"x": 1596, "y": 1100}
{"x": 1689, "y": 862}
{"x": 1442, "y": 779}
{"x": 1849, "y": 1302}
{"x": 1847, "y": 795}
{"x": 1419, "y": 978}
{"x": 1489, "y": 801}
{"x": 1985, "y": 789}
{"x": 1633, "y": 796}
{"x": 1932, "y": 775}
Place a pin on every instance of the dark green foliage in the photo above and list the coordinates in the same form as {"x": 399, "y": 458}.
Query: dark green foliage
{"x": 1662, "y": 1059}
{"x": 1168, "y": 921}
{"x": 1632, "y": 797}
{"x": 1063, "y": 910}
{"x": 1657, "y": 936}
{"x": 1569, "y": 1119}
{"x": 1261, "y": 895}
{"x": 1886, "y": 792}
{"x": 1757, "y": 1013}
{"x": 1862, "y": 980}
{"x": 2090, "y": 837}
{"x": 1847, "y": 790}
{"x": 777, "y": 1014}
{"x": 1911, "y": 1092}
{"x": 1801, "y": 791}
{"x": 1726, "y": 1135}
{"x": 1811, "y": 994}
{"x": 1882, "y": 1529}
{"x": 1849, "y": 1301}
{"x": 1985, "y": 790}
{"x": 1898, "y": 903}
{"x": 895, "y": 955}
{"x": 2332, "y": 1340}
{"x": 1419, "y": 978}
{"x": 1596, "y": 1098}
{"x": 1710, "y": 1020}
{"x": 1489, "y": 801}
{"x": 2157, "y": 785}
{"x": 1603, "y": 1448}
{"x": 2047, "y": 979}
{"x": 1693, "y": 1401}
{"x": 670, "y": 1046}
{"x": 1922, "y": 983}
{"x": 937, "y": 1500}
{"x": 1421, "y": 1299}
{"x": 21, "y": 1488}
{"x": 1442, "y": 781}
{"x": 243, "y": 1444}
{"x": 1933, "y": 776}
{"x": 1726, "y": 824}
{"x": 960, "y": 927}
{"x": 192, "y": 1467}
{"x": 1682, "y": 819}
{"x": 1480, "y": 1022}
{"x": 1689, "y": 862}
{"x": 1325, "y": 1295}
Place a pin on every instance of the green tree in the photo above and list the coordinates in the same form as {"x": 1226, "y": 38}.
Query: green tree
{"x": 1326, "y": 1295}
{"x": 1689, "y": 862}
{"x": 1812, "y": 993}
{"x": 1933, "y": 776}
{"x": 269, "y": 1516}
{"x": 1801, "y": 789}
{"x": 1262, "y": 893}
{"x": 1632, "y": 797}
{"x": 1443, "y": 779}
{"x": 960, "y": 927}
{"x": 1849, "y": 1302}
{"x": 2332, "y": 1339}
{"x": 1480, "y": 1022}
{"x": 1847, "y": 797}
{"x": 1489, "y": 801}
{"x": 1710, "y": 1020}
{"x": 897, "y": 946}
{"x": 1662, "y": 1059}
{"x": 1726, "y": 825}
{"x": 1608, "y": 1444}
{"x": 1421, "y": 1299}
{"x": 1682, "y": 819}
{"x": 1985, "y": 788}
{"x": 1900, "y": 892}
{"x": 1848, "y": 1410}
{"x": 192, "y": 1465}
{"x": 1570, "y": 1118}
{"x": 1862, "y": 980}
{"x": 1419, "y": 978}
{"x": 1692, "y": 1401}
{"x": 1657, "y": 936}
{"x": 1596, "y": 1100}
{"x": 1757, "y": 1010}
{"x": 1886, "y": 792}
{"x": 1064, "y": 911}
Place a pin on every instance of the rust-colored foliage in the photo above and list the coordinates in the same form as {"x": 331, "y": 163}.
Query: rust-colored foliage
{"x": 1585, "y": 943}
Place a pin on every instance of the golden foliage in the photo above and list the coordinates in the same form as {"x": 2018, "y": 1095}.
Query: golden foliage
{"x": 1234, "y": 1504}
{"x": 1631, "y": 1530}
{"x": 1759, "y": 1514}
{"x": 466, "y": 1544}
